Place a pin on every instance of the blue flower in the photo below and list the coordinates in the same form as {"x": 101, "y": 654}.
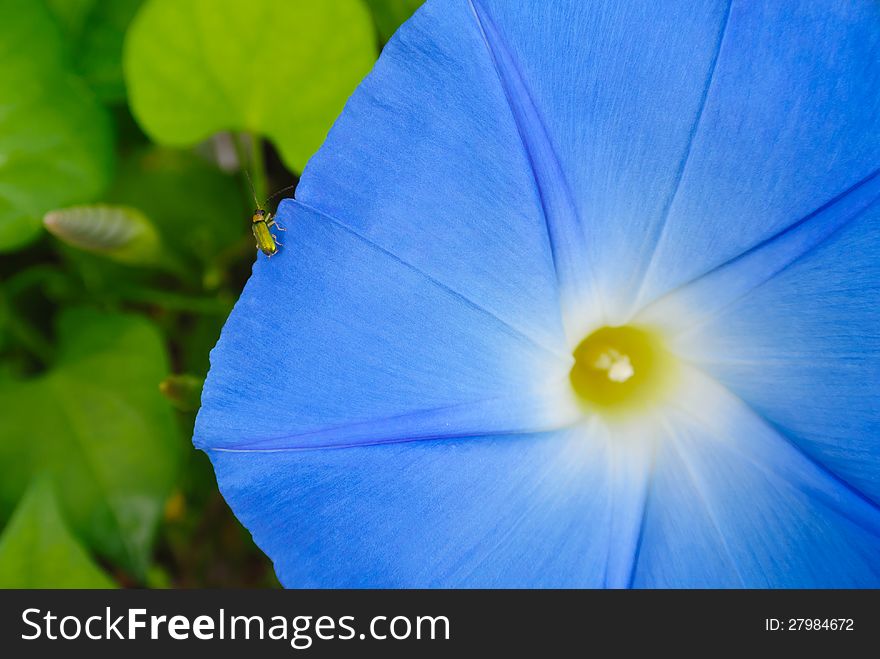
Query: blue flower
{"x": 575, "y": 294}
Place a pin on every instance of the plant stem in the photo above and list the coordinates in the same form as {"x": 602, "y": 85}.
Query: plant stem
{"x": 249, "y": 149}
{"x": 258, "y": 169}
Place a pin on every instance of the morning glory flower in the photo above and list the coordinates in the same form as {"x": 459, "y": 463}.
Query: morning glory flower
{"x": 576, "y": 293}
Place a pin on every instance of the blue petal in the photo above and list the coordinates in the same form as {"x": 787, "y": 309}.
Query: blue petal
{"x": 336, "y": 342}
{"x": 791, "y": 121}
{"x": 699, "y": 300}
{"x": 690, "y": 132}
{"x": 426, "y": 162}
{"x": 507, "y": 511}
{"x": 619, "y": 87}
{"x": 733, "y": 503}
{"x": 504, "y": 176}
{"x": 803, "y": 348}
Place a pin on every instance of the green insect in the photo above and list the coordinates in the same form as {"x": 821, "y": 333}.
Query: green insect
{"x": 261, "y": 221}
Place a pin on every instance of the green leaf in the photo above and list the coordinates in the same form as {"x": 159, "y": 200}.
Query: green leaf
{"x": 278, "y": 68}
{"x": 390, "y": 14}
{"x": 97, "y": 424}
{"x": 55, "y": 138}
{"x": 95, "y": 30}
{"x": 38, "y": 551}
{"x": 118, "y": 232}
{"x": 196, "y": 207}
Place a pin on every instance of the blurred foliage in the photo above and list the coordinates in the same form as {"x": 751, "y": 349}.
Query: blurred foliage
{"x": 196, "y": 208}
{"x": 118, "y": 232}
{"x": 51, "y": 126}
{"x": 184, "y": 391}
{"x": 138, "y": 132}
{"x": 103, "y": 433}
{"x": 38, "y": 551}
{"x": 95, "y": 31}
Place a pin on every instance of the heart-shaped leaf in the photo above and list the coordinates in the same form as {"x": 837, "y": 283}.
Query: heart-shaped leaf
{"x": 278, "y": 68}
{"x": 38, "y": 551}
{"x": 97, "y": 425}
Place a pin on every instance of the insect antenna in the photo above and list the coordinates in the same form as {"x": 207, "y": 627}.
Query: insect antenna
{"x": 275, "y": 194}
{"x": 257, "y": 203}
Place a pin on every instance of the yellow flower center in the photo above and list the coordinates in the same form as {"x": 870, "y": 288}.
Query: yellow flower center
{"x": 620, "y": 369}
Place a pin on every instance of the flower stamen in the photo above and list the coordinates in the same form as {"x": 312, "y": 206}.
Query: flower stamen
{"x": 620, "y": 369}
